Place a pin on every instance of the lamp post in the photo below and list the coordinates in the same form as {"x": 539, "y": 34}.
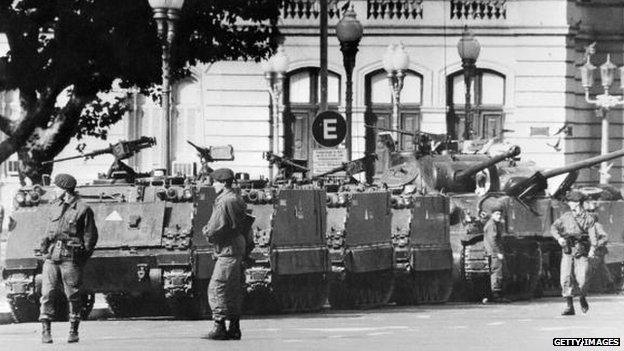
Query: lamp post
{"x": 349, "y": 32}
{"x": 396, "y": 62}
{"x": 603, "y": 102}
{"x": 274, "y": 72}
{"x": 468, "y": 48}
{"x": 166, "y": 13}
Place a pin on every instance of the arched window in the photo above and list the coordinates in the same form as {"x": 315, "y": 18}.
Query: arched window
{"x": 379, "y": 110}
{"x": 302, "y": 95}
{"x": 487, "y": 100}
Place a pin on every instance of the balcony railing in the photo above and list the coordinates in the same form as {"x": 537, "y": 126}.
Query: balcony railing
{"x": 397, "y": 13}
{"x": 309, "y": 9}
{"x": 394, "y": 9}
{"x": 478, "y": 9}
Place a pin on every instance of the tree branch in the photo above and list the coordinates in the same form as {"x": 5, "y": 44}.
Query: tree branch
{"x": 6, "y": 125}
{"x": 27, "y": 125}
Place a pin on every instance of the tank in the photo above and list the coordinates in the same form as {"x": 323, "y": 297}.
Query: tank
{"x": 151, "y": 257}
{"x": 532, "y": 255}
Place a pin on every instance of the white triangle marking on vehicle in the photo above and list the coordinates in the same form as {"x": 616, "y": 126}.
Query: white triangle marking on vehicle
{"x": 114, "y": 216}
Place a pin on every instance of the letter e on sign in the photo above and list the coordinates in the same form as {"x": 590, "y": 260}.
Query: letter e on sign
{"x": 329, "y": 128}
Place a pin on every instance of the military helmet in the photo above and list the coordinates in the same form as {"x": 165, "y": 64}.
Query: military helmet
{"x": 575, "y": 196}
{"x": 65, "y": 181}
{"x": 222, "y": 175}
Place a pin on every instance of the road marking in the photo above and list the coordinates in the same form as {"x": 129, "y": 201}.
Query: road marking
{"x": 334, "y": 330}
{"x": 425, "y": 316}
{"x": 525, "y": 320}
{"x": 496, "y": 323}
{"x": 458, "y": 327}
{"x": 293, "y": 340}
{"x": 380, "y": 333}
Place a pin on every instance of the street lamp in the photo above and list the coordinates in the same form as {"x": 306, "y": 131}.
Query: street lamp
{"x": 468, "y": 48}
{"x": 396, "y": 62}
{"x": 166, "y": 13}
{"x": 274, "y": 72}
{"x": 604, "y": 102}
{"x": 349, "y": 32}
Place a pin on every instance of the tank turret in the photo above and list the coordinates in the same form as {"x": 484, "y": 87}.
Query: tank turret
{"x": 448, "y": 173}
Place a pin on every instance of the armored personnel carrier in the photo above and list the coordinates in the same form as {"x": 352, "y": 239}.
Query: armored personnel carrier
{"x": 151, "y": 257}
{"x": 359, "y": 239}
{"x": 290, "y": 259}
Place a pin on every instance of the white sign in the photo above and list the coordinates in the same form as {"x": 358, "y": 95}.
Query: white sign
{"x": 324, "y": 160}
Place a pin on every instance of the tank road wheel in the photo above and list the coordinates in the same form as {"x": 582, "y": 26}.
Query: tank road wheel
{"x": 23, "y": 308}
{"x": 192, "y": 306}
{"x": 423, "y": 287}
{"x": 300, "y": 293}
{"x": 361, "y": 290}
{"x": 475, "y": 278}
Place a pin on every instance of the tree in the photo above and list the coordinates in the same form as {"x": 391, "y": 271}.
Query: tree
{"x": 79, "y": 47}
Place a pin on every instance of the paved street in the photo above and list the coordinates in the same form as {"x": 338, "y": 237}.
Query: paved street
{"x": 517, "y": 326}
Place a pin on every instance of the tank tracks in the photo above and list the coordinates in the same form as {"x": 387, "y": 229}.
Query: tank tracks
{"x": 524, "y": 272}
{"x": 424, "y": 287}
{"x": 361, "y": 290}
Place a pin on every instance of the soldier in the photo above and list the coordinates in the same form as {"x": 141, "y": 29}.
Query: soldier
{"x": 227, "y": 229}
{"x": 492, "y": 233}
{"x": 578, "y": 235}
{"x": 70, "y": 239}
{"x": 598, "y": 267}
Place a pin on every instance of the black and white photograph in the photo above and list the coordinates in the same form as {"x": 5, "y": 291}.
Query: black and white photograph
{"x": 312, "y": 175}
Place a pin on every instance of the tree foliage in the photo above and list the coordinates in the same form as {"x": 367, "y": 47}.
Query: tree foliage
{"x": 82, "y": 46}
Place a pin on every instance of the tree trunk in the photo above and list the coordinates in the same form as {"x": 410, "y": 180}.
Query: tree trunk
{"x": 47, "y": 142}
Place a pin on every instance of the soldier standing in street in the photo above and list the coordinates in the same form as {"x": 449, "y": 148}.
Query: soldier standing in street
{"x": 68, "y": 243}
{"x": 492, "y": 240}
{"x": 578, "y": 234}
{"x": 227, "y": 229}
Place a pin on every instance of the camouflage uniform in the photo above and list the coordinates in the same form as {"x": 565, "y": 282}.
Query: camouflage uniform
{"x": 224, "y": 230}
{"x": 583, "y": 234}
{"x": 70, "y": 239}
{"x": 492, "y": 232}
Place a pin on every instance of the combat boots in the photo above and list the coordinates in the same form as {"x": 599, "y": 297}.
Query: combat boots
{"x": 46, "y": 331}
{"x": 568, "y": 310}
{"x": 73, "y": 332}
{"x": 234, "y": 332}
{"x": 218, "y": 331}
{"x": 584, "y": 304}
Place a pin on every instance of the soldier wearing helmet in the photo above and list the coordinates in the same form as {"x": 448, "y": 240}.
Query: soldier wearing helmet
{"x": 492, "y": 239}
{"x": 69, "y": 241}
{"x": 228, "y": 230}
{"x": 578, "y": 234}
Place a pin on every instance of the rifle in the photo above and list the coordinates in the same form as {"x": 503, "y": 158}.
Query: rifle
{"x": 121, "y": 150}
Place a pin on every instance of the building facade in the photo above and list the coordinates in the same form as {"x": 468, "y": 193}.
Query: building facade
{"x": 527, "y": 84}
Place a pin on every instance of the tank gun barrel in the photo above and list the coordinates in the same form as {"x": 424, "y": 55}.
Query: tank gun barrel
{"x": 474, "y": 169}
{"x": 121, "y": 150}
{"x": 583, "y": 164}
{"x": 283, "y": 162}
{"x": 538, "y": 182}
